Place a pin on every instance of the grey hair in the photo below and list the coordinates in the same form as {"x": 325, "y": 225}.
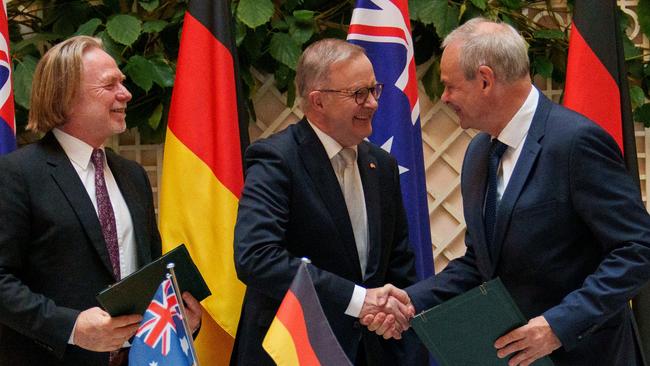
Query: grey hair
{"x": 500, "y": 47}
{"x": 315, "y": 62}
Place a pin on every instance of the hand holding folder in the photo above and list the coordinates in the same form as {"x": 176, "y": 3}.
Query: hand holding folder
{"x": 463, "y": 330}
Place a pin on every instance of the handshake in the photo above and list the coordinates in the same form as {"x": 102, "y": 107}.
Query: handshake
{"x": 387, "y": 311}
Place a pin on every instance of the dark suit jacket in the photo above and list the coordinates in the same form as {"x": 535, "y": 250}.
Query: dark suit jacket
{"x": 572, "y": 238}
{"x": 53, "y": 258}
{"x": 292, "y": 207}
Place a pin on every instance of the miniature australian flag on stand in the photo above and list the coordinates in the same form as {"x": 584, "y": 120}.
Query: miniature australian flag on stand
{"x": 161, "y": 339}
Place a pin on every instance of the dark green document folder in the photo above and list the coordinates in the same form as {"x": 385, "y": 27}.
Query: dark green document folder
{"x": 133, "y": 294}
{"x": 462, "y": 331}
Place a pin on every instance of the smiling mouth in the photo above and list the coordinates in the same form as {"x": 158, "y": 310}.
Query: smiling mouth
{"x": 118, "y": 110}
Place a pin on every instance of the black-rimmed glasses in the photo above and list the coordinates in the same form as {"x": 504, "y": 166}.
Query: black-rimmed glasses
{"x": 360, "y": 95}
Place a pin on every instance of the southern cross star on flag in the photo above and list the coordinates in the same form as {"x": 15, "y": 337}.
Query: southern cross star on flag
{"x": 161, "y": 339}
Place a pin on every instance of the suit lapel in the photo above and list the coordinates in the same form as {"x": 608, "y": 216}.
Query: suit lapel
{"x": 136, "y": 210}
{"x": 320, "y": 170}
{"x": 475, "y": 172}
{"x": 68, "y": 181}
{"x": 368, "y": 171}
{"x": 523, "y": 168}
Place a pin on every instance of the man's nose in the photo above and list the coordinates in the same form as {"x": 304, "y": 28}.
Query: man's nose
{"x": 124, "y": 94}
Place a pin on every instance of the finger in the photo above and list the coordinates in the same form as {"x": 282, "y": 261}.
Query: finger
{"x": 399, "y": 294}
{"x": 512, "y": 336}
{"x": 125, "y": 332}
{"x": 522, "y": 358}
{"x": 125, "y": 320}
{"x": 386, "y": 325}
{"x": 377, "y": 322}
{"x": 511, "y": 348}
{"x": 395, "y": 309}
{"x": 191, "y": 302}
{"x": 367, "y": 320}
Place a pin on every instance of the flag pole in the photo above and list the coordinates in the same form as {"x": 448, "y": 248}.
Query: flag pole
{"x": 188, "y": 331}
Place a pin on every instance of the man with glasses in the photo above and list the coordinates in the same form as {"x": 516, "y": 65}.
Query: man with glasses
{"x": 319, "y": 190}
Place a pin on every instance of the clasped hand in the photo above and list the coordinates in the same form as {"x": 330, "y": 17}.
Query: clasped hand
{"x": 387, "y": 311}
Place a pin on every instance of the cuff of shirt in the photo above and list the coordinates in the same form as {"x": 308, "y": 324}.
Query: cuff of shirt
{"x": 356, "y": 302}
{"x": 71, "y": 339}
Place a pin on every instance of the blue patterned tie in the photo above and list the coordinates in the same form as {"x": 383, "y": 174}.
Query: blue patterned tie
{"x": 496, "y": 152}
{"x": 105, "y": 210}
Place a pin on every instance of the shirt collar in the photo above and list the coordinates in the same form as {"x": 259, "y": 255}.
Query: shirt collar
{"x": 77, "y": 151}
{"x": 332, "y": 147}
{"x": 517, "y": 129}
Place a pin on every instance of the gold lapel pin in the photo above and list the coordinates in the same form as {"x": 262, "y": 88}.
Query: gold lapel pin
{"x": 372, "y": 166}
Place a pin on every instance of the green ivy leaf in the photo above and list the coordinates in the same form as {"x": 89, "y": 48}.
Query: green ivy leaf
{"x": 304, "y": 16}
{"x": 149, "y": 5}
{"x": 88, "y": 28}
{"x": 141, "y": 71}
{"x": 254, "y": 13}
{"x": 445, "y": 17}
{"x": 431, "y": 81}
{"x": 543, "y": 67}
{"x": 124, "y": 29}
{"x": 481, "y": 4}
{"x": 548, "y": 34}
{"x": 111, "y": 47}
{"x": 285, "y": 49}
{"x": 642, "y": 114}
{"x": 416, "y": 6}
{"x": 240, "y": 33}
{"x": 511, "y": 4}
{"x": 637, "y": 96}
{"x": 23, "y": 80}
{"x": 38, "y": 40}
{"x": 300, "y": 32}
{"x": 154, "y": 26}
{"x": 643, "y": 13}
{"x": 156, "y": 117}
{"x": 163, "y": 73}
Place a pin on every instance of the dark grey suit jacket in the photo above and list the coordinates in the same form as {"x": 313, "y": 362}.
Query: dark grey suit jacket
{"x": 571, "y": 242}
{"x": 292, "y": 207}
{"x": 53, "y": 258}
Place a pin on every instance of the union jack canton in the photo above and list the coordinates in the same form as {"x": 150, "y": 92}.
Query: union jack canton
{"x": 161, "y": 338}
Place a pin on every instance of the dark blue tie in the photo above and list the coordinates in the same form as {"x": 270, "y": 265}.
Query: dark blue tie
{"x": 496, "y": 152}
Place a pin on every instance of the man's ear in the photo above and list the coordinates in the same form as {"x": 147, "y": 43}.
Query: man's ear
{"x": 486, "y": 76}
{"x": 315, "y": 99}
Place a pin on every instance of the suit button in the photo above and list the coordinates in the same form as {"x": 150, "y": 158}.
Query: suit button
{"x": 356, "y": 324}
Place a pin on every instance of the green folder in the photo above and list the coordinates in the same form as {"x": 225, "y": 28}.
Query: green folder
{"x": 133, "y": 293}
{"x": 462, "y": 331}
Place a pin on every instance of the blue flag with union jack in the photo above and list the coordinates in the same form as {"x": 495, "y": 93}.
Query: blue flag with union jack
{"x": 161, "y": 339}
{"x": 383, "y": 28}
{"x": 7, "y": 125}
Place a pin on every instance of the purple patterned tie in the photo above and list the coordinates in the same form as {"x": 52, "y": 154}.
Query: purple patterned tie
{"x": 106, "y": 214}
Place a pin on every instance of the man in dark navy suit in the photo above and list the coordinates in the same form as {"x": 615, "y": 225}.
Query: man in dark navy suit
{"x": 549, "y": 206}
{"x": 318, "y": 190}
{"x": 76, "y": 217}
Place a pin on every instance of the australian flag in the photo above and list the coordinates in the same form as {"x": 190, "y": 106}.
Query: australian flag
{"x": 383, "y": 28}
{"x": 161, "y": 338}
{"x": 7, "y": 125}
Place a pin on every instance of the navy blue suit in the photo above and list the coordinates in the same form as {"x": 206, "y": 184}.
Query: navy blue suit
{"x": 572, "y": 238}
{"x": 292, "y": 207}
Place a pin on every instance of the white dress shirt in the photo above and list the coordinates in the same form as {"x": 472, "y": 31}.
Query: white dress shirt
{"x": 514, "y": 135}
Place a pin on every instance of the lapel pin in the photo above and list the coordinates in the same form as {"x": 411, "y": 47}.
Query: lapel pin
{"x": 372, "y": 166}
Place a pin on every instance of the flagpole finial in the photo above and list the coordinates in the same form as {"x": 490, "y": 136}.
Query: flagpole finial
{"x": 305, "y": 260}
{"x": 170, "y": 265}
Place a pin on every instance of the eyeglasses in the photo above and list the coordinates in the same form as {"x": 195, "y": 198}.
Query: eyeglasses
{"x": 360, "y": 95}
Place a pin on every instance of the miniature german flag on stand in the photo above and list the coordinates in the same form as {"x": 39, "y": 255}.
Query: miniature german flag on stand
{"x": 300, "y": 334}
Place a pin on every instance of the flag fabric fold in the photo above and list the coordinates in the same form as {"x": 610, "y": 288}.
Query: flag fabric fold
{"x": 596, "y": 86}
{"x": 300, "y": 334}
{"x": 161, "y": 339}
{"x": 202, "y": 174}
{"x": 383, "y": 29}
{"x": 7, "y": 123}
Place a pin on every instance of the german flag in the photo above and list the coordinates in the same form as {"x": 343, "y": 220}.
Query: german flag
{"x": 300, "y": 334}
{"x": 596, "y": 86}
{"x": 202, "y": 168}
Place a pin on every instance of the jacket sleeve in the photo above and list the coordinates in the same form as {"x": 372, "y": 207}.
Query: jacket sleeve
{"x": 609, "y": 203}
{"x": 29, "y": 313}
